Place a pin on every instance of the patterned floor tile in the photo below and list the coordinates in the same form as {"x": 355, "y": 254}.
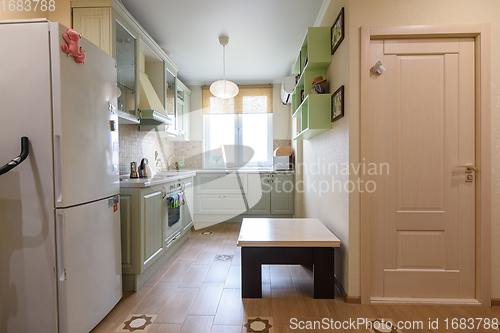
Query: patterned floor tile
{"x": 258, "y": 324}
{"x": 223, "y": 257}
{"x": 383, "y": 325}
{"x": 136, "y": 323}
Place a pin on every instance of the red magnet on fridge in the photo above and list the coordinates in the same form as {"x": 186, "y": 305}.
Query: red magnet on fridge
{"x": 72, "y": 46}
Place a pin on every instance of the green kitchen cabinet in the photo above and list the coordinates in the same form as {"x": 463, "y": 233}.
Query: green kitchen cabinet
{"x": 259, "y": 194}
{"x": 282, "y": 190}
{"x": 183, "y": 107}
{"x": 145, "y": 243}
{"x": 188, "y": 208}
{"x": 109, "y": 25}
{"x": 270, "y": 194}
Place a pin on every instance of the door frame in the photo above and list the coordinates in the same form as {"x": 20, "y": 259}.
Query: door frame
{"x": 481, "y": 34}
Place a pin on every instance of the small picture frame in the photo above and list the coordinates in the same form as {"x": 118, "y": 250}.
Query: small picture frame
{"x": 338, "y": 104}
{"x": 337, "y": 31}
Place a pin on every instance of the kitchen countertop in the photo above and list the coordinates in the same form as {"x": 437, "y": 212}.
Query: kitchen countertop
{"x": 160, "y": 178}
{"x": 291, "y": 172}
{"x": 172, "y": 176}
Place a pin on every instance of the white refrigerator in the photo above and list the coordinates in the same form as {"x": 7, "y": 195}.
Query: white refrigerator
{"x": 60, "y": 254}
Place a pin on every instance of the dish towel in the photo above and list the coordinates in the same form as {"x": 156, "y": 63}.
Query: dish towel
{"x": 182, "y": 199}
{"x": 174, "y": 202}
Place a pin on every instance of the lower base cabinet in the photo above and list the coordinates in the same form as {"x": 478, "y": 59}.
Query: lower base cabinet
{"x": 229, "y": 197}
{"x": 147, "y": 240}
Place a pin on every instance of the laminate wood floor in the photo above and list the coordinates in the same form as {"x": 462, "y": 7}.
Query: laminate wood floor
{"x": 194, "y": 293}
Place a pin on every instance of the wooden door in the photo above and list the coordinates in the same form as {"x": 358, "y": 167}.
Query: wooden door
{"x": 422, "y": 212}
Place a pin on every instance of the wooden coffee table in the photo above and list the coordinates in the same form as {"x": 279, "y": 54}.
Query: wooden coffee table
{"x": 286, "y": 242}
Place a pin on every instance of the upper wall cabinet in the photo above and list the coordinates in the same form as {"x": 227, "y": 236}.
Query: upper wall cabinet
{"x": 183, "y": 107}
{"x": 141, "y": 64}
{"x": 312, "y": 110}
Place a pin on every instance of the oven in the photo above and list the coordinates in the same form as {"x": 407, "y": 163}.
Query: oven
{"x": 173, "y": 194}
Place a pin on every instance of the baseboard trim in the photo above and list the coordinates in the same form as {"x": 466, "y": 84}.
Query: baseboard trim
{"x": 424, "y": 301}
{"x": 495, "y": 302}
{"x": 348, "y": 299}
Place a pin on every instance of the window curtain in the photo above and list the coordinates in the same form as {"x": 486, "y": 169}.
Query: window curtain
{"x": 250, "y": 100}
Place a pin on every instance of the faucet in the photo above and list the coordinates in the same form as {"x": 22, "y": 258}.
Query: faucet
{"x": 168, "y": 162}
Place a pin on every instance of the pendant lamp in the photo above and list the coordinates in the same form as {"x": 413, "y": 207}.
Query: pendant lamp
{"x": 223, "y": 88}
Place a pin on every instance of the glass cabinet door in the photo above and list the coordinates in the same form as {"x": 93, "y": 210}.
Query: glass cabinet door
{"x": 126, "y": 69}
{"x": 170, "y": 103}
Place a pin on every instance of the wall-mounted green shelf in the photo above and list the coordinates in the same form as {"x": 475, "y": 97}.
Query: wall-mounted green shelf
{"x": 313, "y": 119}
{"x": 313, "y": 110}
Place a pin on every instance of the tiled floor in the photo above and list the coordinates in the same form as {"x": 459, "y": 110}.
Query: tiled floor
{"x": 196, "y": 293}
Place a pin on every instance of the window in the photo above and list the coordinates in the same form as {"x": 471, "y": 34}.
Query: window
{"x": 237, "y": 132}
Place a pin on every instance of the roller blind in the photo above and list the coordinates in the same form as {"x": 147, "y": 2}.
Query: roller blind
{"x": 250, "y": 100}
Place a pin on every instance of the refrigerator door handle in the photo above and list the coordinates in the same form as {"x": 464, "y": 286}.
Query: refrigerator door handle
{"x": 60, "y": 233}
{"x": 58, "y": 167}
{"x": 25, "y": 149}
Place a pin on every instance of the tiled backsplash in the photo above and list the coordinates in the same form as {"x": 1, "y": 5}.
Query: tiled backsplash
{"x": 191, "y": 152}
{"x": 135, "y": 145}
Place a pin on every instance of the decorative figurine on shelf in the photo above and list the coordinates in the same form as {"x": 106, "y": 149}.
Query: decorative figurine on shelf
{"x": 319, "y": 85}
{"x": 72, "y": 46}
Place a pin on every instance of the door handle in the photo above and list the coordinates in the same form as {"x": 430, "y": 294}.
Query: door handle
{"x": 469, "y": 168}
{"x": 25, "y": 148}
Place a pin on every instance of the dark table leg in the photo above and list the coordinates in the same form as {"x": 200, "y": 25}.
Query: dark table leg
{"x": 251, "y": 273}
{"x": 323, "y": 273}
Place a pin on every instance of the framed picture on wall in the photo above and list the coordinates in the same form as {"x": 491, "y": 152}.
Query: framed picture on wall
{"x": 337, "y": 31}
{"x": 338, "y": 104}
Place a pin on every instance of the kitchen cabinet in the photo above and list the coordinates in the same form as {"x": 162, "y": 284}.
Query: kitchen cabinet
{"x": 259, "y": 192}
{"x": 108, "y": 24}
{"x": 232, "y": 196}
{"x": 183, "y": 107}
{"x": 188, "y": 208}
{"x": 282, "y": 189}
{"x": 275, "y": 192}
{"x": 147, "y": 239}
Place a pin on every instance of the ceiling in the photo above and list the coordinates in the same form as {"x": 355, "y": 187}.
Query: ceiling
{"x": 264, "y": 35}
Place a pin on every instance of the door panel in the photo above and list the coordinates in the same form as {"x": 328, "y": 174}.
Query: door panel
{"x": 89, "y": 266}
{"x": 282, "y": 194}
{"x": 259, "y": 194}
{"x": 85, "y": 145}
{"x": 153, "y": 225}
{"x": 424, "y": 209}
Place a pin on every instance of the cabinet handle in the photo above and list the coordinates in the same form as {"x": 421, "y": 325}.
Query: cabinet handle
{"x": 222, "y": 196}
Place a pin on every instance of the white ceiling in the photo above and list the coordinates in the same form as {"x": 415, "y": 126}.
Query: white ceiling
{"x": 264, "y": 35}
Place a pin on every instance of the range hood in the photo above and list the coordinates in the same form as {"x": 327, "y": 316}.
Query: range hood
{"x": 152, "y": 110}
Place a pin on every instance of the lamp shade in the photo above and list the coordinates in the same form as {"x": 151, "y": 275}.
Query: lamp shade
{"x": 224, "y": 89}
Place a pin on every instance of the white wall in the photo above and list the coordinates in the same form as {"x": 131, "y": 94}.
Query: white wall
{"x": 341, "y": 214}
{"x": 281, "y": 116}
{"x": 330, "y": 206}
